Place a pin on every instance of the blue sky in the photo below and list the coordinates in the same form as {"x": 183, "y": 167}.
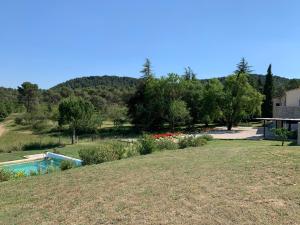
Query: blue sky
{"x": 47, "y": 42}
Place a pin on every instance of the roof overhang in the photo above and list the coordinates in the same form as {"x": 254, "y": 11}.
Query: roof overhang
{"x": 280, "y": 119}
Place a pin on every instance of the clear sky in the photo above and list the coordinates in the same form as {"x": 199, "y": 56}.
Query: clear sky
{"x": 50, "y": 41}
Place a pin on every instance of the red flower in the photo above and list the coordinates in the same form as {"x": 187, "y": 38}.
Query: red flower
{"x": 165, "y": 135}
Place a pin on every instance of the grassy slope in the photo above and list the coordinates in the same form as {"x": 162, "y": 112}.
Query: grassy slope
{"x": 225, "y": 182}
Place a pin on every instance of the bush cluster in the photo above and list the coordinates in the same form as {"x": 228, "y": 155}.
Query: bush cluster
{"x": 147, "y": 145}
{"x": 191, "y": 142}
{"x": 106, "y": 153}
{"x": 67, "y": 164}
{"x": 208, "y": 137}
{"x": 5, "y": 175}
{"x": 166, "y": 144}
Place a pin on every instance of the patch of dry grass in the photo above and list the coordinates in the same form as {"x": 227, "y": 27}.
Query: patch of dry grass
{"x": 225, "y": 182}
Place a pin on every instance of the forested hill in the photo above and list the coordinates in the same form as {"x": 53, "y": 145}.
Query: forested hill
{"x": 129, "y": 83}
{"x": 98, "y": 81}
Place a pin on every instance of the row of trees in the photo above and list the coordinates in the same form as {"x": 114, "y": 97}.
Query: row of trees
{"x": 183, "y": 100}
{"x": 171, "y": 101}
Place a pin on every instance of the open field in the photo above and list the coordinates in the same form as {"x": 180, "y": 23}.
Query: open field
{"x": 225, "y": 182}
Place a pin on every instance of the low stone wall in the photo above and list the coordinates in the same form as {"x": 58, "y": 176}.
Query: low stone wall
{"x": 292, "y": 112}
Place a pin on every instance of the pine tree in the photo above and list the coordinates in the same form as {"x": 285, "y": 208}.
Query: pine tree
{"x": 189, "y": 74}
{"x": 147, "y": 70}
{"x": 267, "y": 106}
{"x": 243, "y": 67}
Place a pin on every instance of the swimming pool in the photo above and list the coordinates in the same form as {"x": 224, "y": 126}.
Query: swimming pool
{"x": 38, "y": 166}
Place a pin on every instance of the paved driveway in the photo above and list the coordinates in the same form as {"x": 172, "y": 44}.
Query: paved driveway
{"x": 237, "y": 133}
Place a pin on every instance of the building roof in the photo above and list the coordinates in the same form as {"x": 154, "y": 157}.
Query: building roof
{"x": 280, "y": 119}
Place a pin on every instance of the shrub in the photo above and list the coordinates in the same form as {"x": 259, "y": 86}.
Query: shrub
{"x": 20, "y": 174}
{"x": 207, "y": 137}
{"x": 147, "y": 145}
{"x": 33, "y": 173}
{"x": 5, "y": 174}
{"x": 40, "y": 125}
{"x": 191, "y": 142}
{"x": 130, "y": 151}
{"x": 89, "y": 156}
{"x": 199, "y": 141}
{"x": 100, "y": 154}
{"x": 50, "y": 169}
{"x": 119, "y": 150}
{"x": 19, "y": 121}
{"x": 166, "y": 144}
{"x": 281, "y": 134}
{"x": 66, "y": 165}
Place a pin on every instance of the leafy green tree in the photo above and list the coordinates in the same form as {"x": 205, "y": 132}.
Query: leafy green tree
{"x": 239, "y": 100}
{"x": 211, "y": 101}
{"x": 282, "y": 134}
{"x": 267, "y": 106}
{"x": 178, "y": 113}
{"x": 192, "y": 94}
{"x": 293, "y": 84}
{"x": 51, "y": 98}
{"x": 149, "y": 106}
{"x": 3, "y": 111}
{"x": 118, "y": 114}
{"x": 75, "y": 111}
{"x": 28, "y": 95}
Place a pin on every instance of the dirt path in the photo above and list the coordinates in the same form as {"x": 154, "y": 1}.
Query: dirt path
{"x": 2, "y": 129}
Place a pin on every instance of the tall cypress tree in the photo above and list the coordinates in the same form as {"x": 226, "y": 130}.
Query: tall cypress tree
{"x": 267, "y": 106}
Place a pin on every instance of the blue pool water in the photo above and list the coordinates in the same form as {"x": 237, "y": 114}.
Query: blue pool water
{"x": 41, "y": 166}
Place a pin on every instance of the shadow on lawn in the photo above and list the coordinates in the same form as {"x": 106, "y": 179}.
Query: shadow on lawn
{"x": 41, "y": 146}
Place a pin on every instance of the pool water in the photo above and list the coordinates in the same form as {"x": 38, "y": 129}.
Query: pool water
{"x": 39, "y": 166}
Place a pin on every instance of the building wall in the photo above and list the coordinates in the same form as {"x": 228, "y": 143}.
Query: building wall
{"x": 287, "y": 106}
{"x": 293, "y": 97}
{"x": 292, "y": 112}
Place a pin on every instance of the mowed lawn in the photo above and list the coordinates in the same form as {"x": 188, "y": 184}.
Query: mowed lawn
{"x": 225, "y": 182}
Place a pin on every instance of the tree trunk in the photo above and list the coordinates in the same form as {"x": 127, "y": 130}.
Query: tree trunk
{"x": 74, "y": 136}
{"x": 229, "y": 126}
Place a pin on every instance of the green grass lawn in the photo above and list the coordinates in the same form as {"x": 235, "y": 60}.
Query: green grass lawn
{"x": 16, "y": 136}
{"x": 224, "y": 182}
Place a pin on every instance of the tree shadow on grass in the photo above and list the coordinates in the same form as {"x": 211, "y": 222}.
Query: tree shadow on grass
{"x": 293, "y": 143}
{"x": 41, "y": 146}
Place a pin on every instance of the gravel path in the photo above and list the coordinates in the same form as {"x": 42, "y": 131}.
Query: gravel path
{"x": 237, "y": 133}
{"x": 2, "y": 129}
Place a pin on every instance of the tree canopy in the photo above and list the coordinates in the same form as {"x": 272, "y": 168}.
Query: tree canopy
{"x": 75, "y": 112}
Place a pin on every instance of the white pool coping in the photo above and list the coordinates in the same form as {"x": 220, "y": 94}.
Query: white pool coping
{"x": 52, "y": 155}
{"x": 29, "y": 158}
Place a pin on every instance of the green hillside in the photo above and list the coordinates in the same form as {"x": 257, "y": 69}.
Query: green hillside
{"x": 99, "y": 81}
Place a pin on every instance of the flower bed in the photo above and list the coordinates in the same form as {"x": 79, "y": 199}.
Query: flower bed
{"x": 166, "y": 135}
